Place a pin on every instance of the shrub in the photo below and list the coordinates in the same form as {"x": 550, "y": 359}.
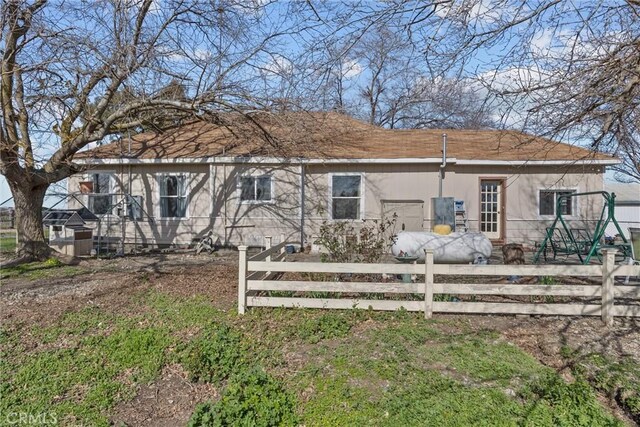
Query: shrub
{"x": 214, "y": 355}
{"x": 252, "y": 398}
{"x": 368, "y": 243}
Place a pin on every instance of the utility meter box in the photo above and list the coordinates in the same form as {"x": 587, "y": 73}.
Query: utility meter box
{"x": 443, "y": 211}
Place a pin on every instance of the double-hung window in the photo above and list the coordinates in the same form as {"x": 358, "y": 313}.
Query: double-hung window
{"x": 255, "y": 189}
{"x": 549, "y": 200}
{"x": 101, "y": 199}
{"x": 346, "y": 196}
{"x": 173, "y": 196}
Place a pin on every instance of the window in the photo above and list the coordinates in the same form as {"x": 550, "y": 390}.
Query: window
{"x": 549, "y": 200}
{"x": 101, "y": 201}
{"x": 345, "y": 196}
{"x": 134, "y": 207}
{"x": 255, "y": 189}
{"x": 173, "y": 196}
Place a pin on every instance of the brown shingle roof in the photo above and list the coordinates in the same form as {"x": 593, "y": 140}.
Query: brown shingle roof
{"x": 333, "y": 136}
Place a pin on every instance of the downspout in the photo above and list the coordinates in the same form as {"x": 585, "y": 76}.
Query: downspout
{"x": 302, "y": 200}
{"x": 213, "y": 170}
{"x": 444, "y": 163}
{"x": 224, "y": 201}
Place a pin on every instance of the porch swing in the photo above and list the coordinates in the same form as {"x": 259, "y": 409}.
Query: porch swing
{"x": 585, "y": 243}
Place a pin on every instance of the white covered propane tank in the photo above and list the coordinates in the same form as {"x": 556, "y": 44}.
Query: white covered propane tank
{"x": 454, "y": 248}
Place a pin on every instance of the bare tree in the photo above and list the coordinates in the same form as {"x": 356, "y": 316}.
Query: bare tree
{"x": 565, "y": 70}
{"x": 386, "y": 59}
{"x": 384, "y": 80}
{"x": 447, "y": 103}
{"x": 73, "y": 74}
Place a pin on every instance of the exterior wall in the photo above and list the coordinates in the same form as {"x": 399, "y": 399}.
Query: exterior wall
{"x": 213, "y": 198}
{"x": 420, "y": 181}
{"x": 213, "y": 204}
{"x": 524, "y": 224}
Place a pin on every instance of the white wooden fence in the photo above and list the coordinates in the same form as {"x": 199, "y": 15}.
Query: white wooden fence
{"x": 257, "y": 272}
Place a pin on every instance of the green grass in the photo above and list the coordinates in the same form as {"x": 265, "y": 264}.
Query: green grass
{"x": 410, "y": 373}
{"x": 7, "y": 244}
{"x": 40, "y": 270}
{"x": 619, "y": 380}
{"x": 313, "y": 368}
{"x": 92, "y": 359}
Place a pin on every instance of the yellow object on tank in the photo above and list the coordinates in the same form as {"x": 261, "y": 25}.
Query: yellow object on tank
{"x": 442, "y": 229}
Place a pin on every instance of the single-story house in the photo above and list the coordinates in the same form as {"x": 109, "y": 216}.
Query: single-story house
{"x": 627, "y": 206}
{"x": 278, "y": 174}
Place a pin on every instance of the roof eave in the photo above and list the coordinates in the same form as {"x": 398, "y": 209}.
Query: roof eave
{"x": 279, "y": 160}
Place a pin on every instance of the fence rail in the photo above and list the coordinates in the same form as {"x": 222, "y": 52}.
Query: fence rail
{"x": 256, "y": 276}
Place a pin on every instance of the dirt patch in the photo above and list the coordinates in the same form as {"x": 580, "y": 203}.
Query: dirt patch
{"x": 169, "y": 401}
{"x": 544, "y": 336}
{"x": 111, "y": 284}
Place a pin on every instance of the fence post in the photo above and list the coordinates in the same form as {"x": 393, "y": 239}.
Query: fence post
{"x": 608, "y": 264}
{"x": 428, "y": 283}
{"x": 267, "y": 246}
{"x": 242, "y": 279}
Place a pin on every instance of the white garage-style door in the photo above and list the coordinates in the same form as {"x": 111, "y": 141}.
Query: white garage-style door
{"x": 410, "y": 214}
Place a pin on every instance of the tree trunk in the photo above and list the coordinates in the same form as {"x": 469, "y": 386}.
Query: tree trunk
{"x": 28, "y": 201}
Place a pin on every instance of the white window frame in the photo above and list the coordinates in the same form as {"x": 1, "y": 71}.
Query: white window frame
{"x": 362, "y": 198}
{"x": 574, "y": 207}
{"x": 159, "y": 177}
{"x": 255, "y": 183}
{"x": 88, "y": 176}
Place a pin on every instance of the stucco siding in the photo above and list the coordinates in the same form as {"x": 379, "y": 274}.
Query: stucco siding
{"x": 213, "y": 192}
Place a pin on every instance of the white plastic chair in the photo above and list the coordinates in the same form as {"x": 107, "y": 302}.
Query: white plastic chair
{"x": 634, "y": 238}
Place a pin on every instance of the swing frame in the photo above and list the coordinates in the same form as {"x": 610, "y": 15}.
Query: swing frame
{"x": 585, "y": 249}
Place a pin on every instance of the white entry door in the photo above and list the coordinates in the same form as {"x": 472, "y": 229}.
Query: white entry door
{"x": 491, "y": 208}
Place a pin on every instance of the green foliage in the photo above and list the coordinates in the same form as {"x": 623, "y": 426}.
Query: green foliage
{"x": 367, "y": 242}
{"x": 484, "y": 359}
{"x": 547, "y": 280}
{"x": 52, "y": 262}
{"x": 214, "y": 355}
{"x": 328, "y": 325}
{"x": 619, "y": 380}
{"x": 429, "y": 398}
{"x": 409, "y": 372}
{"x": 252, "y": 398}
{"x": 565, "y": 404}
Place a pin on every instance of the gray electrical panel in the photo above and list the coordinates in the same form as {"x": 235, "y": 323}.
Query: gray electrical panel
{"x": 443, "y": 211}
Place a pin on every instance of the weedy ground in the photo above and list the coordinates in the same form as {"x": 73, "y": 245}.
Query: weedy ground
{"x": 157, "y": 341}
